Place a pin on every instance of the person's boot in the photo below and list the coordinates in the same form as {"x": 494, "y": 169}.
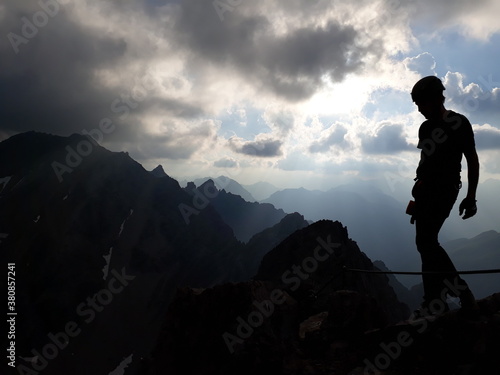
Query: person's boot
{"x": 468, "y": 305}
{"x": 431, "y": 307}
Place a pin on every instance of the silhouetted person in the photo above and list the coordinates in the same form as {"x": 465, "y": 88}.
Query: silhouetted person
{"x": 443, "y": 138}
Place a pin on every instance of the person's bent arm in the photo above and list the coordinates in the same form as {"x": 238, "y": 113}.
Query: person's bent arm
{"x": 469, "y": 202}
{"x": 472, "y": 173}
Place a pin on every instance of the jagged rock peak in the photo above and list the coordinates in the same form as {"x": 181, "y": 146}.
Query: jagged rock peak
{"x": 208, "y": 184}
{"x": 159, "y": 171}
{"x": 314, "y": 259}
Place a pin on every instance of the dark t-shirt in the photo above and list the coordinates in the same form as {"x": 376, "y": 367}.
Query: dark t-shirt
{"x": 442, "y": 143}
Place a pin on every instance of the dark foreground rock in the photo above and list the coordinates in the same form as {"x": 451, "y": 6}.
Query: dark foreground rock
{"x": 305, "y": 314}
{"x": 268, "y": 325}
{"x": 251, "y": 328}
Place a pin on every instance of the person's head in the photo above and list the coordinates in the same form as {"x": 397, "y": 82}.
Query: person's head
{"x": 428, "y": 96}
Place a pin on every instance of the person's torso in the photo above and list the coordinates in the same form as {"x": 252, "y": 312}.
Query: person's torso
{"x": 442, "y": 143}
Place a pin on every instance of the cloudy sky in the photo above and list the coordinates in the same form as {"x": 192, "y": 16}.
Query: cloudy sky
{"x": 295, "y": 92}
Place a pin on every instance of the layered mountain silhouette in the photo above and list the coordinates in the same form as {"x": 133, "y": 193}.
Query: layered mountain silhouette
{"x": 377, "y": 221}
{"x": 117, "y": 266}
{"x": 261, "y": 243}
{"x": 228, "y": 185}
{"x": 244, "y": 217}
{"x": 486, "y": 219}
{"x": 70, "y": 230}
{"x": 261, "y": 190}
{"x": 74, "y": 216}
{"x": 258, "y": 191}
{"x": 478, "y": 253}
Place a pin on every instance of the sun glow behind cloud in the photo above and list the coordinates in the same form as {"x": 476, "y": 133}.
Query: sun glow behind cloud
{"x": 342, "y": 98}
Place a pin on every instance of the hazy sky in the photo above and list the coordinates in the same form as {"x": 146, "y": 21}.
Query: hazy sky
{"x": 296, "y": 92}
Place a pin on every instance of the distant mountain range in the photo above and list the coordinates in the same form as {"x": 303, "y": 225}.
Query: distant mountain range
{"x": 261, "y": 190}
{"x": 251, "y": 193}
{"x": 487, "y": 217}
{"x": 478, "y": 253}
{"x": 228, "y": 185}
{"x": 246, "y": 218}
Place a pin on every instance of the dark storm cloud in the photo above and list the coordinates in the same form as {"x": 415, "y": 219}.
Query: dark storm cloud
{"x": 226, "y": 163}
{"x": 260, "y": 148}
{"x": 49, "y": 83}
{"x": 388, "y": 140}
{"x": 49, "y": 80}
{"x": 176, "y": 141}
{"x": 335, "y": 138}
{"x": 177, "y": 108}
{"x": 291, "y": 66}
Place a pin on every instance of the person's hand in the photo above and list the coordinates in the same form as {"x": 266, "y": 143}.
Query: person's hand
{"x": 469, "y": 206}
{"x": 410, "y": 210}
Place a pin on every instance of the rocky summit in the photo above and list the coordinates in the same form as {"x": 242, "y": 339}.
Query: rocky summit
{"x": 306, "y": 312}
{"x": 269, "y": 325}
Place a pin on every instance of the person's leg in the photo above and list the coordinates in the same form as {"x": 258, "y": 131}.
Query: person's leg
{"x": 433, "y": 209}
{"x": 434, "y": 257}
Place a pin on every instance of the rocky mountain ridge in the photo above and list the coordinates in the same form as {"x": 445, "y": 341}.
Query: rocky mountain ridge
{"x": 118, "y": 262}
{"x": 244, "y": 217}
{"x": 76, "y": 219}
